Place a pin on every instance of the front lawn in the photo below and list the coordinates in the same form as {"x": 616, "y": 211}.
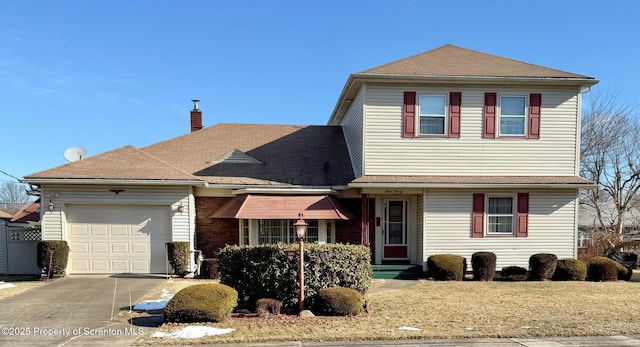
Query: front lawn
{"x": 455, "y": 310}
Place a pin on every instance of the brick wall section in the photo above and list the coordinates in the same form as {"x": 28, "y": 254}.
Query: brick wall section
{"x": 348, "y": 231}
{"x": 213, "y": 233}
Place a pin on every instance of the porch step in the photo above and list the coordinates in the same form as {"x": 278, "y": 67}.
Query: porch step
{"x": 400, "y": 271}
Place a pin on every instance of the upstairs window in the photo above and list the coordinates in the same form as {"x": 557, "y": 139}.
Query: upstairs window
{"x": 433, "y": 114}
{"x": 513, "y": 115}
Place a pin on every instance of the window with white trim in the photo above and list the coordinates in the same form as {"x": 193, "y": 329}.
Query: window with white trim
{"x": 433, "y": 114}
{"x": 500, "y": 215}
{"x": 283, "y": 230}
{"x": 512, "y": 115}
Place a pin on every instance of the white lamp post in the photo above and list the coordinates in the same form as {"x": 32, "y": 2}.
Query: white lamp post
{"x": 301, "y": 229}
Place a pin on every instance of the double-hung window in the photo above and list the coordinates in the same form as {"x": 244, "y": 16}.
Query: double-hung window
{"x": 433, "y": 114}
{"x": 513, "y": 115}
{"x": 283, "y": 230}
{"x": 500, "y": 215}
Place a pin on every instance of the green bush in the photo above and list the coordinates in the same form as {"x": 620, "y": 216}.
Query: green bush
{"x": 52, "y": 257}
{"x": 446, "y": 267}
{"x": 338, "y": 301}
{"x": 266, "y": 271}
{"x": 570, "y": 270}
{"x": 210, "y": 302}
{"x": 514, "y": 273}
{"x": 601, "y": 269}
{"x": 178, "y": 254}
{"x": 542, "y": 265}
{"x": 483, "y": 265}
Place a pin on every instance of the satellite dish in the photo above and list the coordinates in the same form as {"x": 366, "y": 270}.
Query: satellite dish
{"x": 75, "y": 153}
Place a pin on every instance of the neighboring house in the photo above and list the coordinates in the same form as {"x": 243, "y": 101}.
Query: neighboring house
{"x": 19, "y": 236}
{"x": 448, "y": 151}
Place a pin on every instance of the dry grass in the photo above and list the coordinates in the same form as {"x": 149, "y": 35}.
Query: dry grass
{"x": 457, "y": 310}
{"x": 22, "y": 284}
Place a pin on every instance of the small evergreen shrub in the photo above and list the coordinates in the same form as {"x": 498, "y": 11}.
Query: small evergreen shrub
{"x": 601, "y": 269}
{"x": 542, "y": 266}
{"x": 210, "y": 302}
{"x": 52, "y": 257}
{"x": 446, "y": 267}
{"x": 483, "y": 265}
{"x": 209, "y": 269}
{"x": 266, "y": 306}
{"x": 266, "y": 271}
{"x": 178, "y": 254}
{"x": 338, "y": 301}
{"x": 514, "y": 273}
{"x": 570, "y": 270}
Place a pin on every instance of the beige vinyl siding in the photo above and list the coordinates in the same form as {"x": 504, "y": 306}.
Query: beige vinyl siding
{"x": 53, "y": 224}
{"x": 551, "y": 227}
{"x": 419, "y": 241}
{"x": 387, "y": 153}
{"x": 352, "y": 126}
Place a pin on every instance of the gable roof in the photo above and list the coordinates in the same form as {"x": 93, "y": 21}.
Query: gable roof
{"x": 449, "y": 60}
{"x": 123, "y": 164}
{"x": 261, "y": 154}
{"x": 30, "y": 212}
{"x": 4, "y": 215}
{"x": 455, "y": 65}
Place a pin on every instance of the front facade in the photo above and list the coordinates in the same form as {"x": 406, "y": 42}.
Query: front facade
{"x": 449, "y": 151}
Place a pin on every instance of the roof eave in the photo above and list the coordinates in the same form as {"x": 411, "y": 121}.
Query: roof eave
{"x": 85, "y": 181}
{"x": 476, "y": 185}
{"x": 355, "y": 81}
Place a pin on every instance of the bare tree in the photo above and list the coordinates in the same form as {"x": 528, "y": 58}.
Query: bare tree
{"x": 12, "y": 196}
{"x": 610, "y": 157}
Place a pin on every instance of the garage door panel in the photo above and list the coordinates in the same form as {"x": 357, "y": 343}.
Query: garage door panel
{"x": 118, "y": 239}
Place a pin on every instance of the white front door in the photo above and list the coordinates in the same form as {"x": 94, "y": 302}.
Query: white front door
{"x": 395, "y": 229}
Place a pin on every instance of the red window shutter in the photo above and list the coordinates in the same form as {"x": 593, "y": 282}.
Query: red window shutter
{"x": 535, "y": 103}
{"x": 477, "y": 216}
{"x": 409, "y": 115}
{"x": 490, "y": 115}
{"x": 522, "y": 217}
{"x": 455, "y": 101}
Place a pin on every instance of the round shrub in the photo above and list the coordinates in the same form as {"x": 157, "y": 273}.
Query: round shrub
{"x": 52, "y": 257}
{"x": 446, "y": 267}
{"x": 178, "y": 254}
{"x": 542, "y": 265}
{"x": 570, "y": 270}
{"x": 338, "y": 301}
{"x": 514, "y": 273}
{"x": 210, "y": 302}
{"x": 601, "y": 269}
{"x": 483, "y": 265}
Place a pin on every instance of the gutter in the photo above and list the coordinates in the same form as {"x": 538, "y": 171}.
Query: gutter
{"x": 113, "y": 181}
{"x": 477, "y": 185}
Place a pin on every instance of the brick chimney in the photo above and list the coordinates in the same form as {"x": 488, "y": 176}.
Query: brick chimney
{"x": 196, "y": 116}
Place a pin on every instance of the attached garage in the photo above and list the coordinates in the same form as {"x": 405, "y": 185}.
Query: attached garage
{"x": 117, "y": 238}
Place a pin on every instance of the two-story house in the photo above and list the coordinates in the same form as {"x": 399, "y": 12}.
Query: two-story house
{"x": 449, "y": 151}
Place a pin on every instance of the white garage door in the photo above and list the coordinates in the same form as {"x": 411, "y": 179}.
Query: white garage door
{"x": 117, "y": 239}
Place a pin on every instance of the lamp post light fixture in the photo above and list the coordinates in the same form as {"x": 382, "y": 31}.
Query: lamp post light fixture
{"x": 301, "y": 230}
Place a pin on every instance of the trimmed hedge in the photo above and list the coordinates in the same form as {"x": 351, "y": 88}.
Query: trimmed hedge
{"x": 601, "y": 269}
{"x": 514, "y": 273}
{"x": 209, "y": 269}
{"x": 178, "y": 254}
{"x": 52, "y": 257}
{"x": 570, "y": 270}
{"x": 483, "y": 265}
{"x": 210, "y": 302}
{"x": 266, "y": 271}
{"x": 338, "y": 301}
{"x": 446, "y": 267}
{"x": 542, "y": 265}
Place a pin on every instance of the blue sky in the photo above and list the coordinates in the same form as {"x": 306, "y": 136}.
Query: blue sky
{"x": 105, "y": 74}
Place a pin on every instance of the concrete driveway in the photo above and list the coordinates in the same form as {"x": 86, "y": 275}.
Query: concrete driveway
{"x": 74, "y": 311}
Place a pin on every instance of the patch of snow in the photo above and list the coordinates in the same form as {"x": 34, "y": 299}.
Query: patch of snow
{"x": 526, "y": 327}
{"x": 192, "y": 332}
{"x": 410, "y": 328}
{"x": 468, "y": 328}
{"x": 152, "y": 305}
{"x": 4, "y": 285}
